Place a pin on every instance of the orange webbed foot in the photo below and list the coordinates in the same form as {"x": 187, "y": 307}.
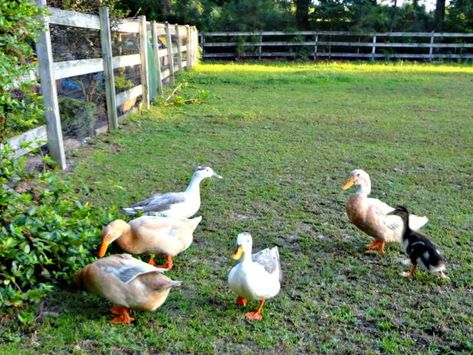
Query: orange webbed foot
{"x": 151, "y": 261}
{"x": 377, "y": 246}
{"x": 241, "y": 300}
{"x": 254, "y": 315}
{"x": 122, "y": 315}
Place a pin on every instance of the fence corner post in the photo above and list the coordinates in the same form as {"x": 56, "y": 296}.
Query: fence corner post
{"x": 169, "y": 48}
{"x": 48, "y": 88}
{"x": 144, "y": 60}
{"x": 106, "y": 41}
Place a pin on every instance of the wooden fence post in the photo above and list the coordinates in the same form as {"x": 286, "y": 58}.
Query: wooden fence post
{"x": 154, "y": 39}
{"x": 106, "y": 41}
{"x": 373, "y": 47}
{"x": 144, "y": 61}
{"x": 179, "y": 53}
{"x": 260, "y": 50}
{"x": 170, "y": 56}
{"x": 195, "y": 47}
{"x": 189, "y": 48}
{"x": 315, "y": 46}
{"x": 202, "y": 44}
{"x": 49, "y": 91}
{"x": 431, "y": 48}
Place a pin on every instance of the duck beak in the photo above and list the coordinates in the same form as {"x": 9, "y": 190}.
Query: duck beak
{"x": 103, "y": 248}
{"x": 217, "y": 176}
{"x": 348, "y": 184}
{"x": 238, "y": 253}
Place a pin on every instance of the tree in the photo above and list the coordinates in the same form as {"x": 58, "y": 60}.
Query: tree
{"x": 302, "y": 13}
{"x": 439, "y": 15}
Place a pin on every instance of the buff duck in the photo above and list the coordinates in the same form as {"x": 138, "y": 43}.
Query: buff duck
{"x": 419, "y": 248}
{"x": 175, "y": 204}
{"x": 126, "y": 282}
{"x": 151, "y": 234}
{"x": 256, "y": 276}
{"x": 371, "y": 215}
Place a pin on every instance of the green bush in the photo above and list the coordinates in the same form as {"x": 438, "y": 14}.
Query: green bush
{"x": 46, "y": 233}
{"x": 77, "y": 117}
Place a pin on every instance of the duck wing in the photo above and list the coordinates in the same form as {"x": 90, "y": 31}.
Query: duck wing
{"x": 269, "y": 259}
{"x": 415, "y": 222}
{"x": 157, "y": 203}
{"x": 126, "y": 268}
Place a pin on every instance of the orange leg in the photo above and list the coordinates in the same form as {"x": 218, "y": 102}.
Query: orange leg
{"x": 241, "y": 300}
{"x": 256, "y": 315}
{"x": 151, "y": 261}
{"x": 373, "y": 246}
{"x": 381, "y": 247}
{"x": 122, "y": 315}
{"x": 169, "y": 264}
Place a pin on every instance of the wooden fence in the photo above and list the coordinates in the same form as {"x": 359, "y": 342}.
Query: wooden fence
{"x": 329, "y": 44}
{"x": 179, "y": 53}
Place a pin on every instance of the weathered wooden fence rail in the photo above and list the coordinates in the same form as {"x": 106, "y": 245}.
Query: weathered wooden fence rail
{"x": 339, "y": 44}
{"x": 180, "y": 52}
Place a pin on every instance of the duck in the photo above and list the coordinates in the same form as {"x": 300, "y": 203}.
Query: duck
{"x": 151, "y": 234}
{"x": 257, "y": 276}
{"x": 175, "y": 204}
{"x": 128, "y": 283}
{"x": 371, "y": 215}
{"x": 419, "y": 248}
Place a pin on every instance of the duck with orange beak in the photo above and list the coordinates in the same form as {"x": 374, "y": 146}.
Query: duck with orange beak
{"x": 256, "y": 276}
{"x": 372, "y": 215}
{"x": 152, "y": 235}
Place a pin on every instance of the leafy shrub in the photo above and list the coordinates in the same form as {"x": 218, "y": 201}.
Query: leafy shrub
{"x": 46, "y": 233}
{"x": 77, "y": 117}
{"x": 20, "y": 106}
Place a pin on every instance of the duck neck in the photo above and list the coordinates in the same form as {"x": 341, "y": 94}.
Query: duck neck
{"x": 247, "y": 257}
{"x": 364, "y": 188}
{"x": 125, "y": 241}
{"x": 194, "y": 185}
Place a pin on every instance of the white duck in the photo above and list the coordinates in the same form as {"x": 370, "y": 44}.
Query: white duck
{"x": 256, "y": 276}
{"x": 371, "y": 215}
{"x": 175, "y": 204}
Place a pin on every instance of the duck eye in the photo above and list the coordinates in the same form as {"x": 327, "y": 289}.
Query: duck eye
{"x": 358, "y": 174}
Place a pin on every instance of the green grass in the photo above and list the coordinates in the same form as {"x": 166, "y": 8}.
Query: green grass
{"x": 285, "y": 137}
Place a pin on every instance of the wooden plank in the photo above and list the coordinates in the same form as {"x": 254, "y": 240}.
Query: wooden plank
{"x": 373, "y": 48}
{"x": 36, "y": 137}
{"x": 337, "y": 33}
{"x": 124, "y": 96}
{"x": 128, "y": 26}
{"x": 126, "y": 60}
{"x": 154, "y": 41}
{"x": 169, "y": 50}
{"x": 165, "y": 74}
{"x": 48, "y": 88}
{"x": 163, "y": 53}
{"x": 71, "y": 68}
{"x": 106, "y": 41}
{"x": 74, "y": 19}
{"x": 179, "y": 52}
{"x": 144, "y": 61}
{"x": 189, "y": 48}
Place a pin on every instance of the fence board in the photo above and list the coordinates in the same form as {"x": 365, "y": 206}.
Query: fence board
{"x": 124, "y": 96}
{"x": 74, "y": 19}
{"x": 36, "y": 137}
{"x": 71, "y": 68}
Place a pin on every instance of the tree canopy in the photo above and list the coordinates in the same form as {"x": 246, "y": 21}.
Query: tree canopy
{"x": 353, "y": 15}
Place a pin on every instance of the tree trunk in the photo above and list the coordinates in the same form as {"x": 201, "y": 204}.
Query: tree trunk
{"x": 439, "y": 15}
{"x": 302, "y": 14}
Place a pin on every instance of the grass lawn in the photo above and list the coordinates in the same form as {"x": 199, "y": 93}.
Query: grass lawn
{"x": 285, "y": 137}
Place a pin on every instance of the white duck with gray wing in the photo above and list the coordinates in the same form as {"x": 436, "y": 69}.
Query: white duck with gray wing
{"x": 175, "y": 204}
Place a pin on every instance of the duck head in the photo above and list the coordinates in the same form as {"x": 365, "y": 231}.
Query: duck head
{"x": 244, "y": 245}
{"x": 402, "y": 212}
{"x": 359, "y": 178}
{"x": 112, "y": 232}
{"x": 203, "y": 172}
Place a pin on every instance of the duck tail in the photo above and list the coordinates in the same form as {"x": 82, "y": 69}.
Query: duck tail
{"x": 416, "y": 222}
